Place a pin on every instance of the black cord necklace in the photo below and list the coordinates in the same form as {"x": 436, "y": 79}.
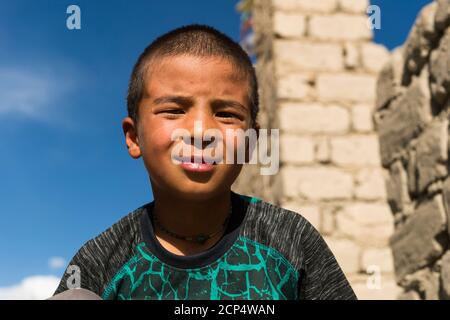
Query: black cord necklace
{"x": 200, "y": 238}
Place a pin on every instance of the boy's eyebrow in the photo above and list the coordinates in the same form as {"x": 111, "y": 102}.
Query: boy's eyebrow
{"x": 188, "y": 101}
{"x": 181, "y": 100}
{"x": 231, "y": 103}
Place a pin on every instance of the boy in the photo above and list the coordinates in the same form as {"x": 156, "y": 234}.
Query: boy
{"x": 198, "y": 239}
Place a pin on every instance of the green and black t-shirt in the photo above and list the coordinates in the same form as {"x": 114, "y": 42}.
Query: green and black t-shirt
{"x": 267, "y": 252}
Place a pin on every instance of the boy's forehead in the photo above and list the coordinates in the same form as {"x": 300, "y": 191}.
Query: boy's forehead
{"x": 196, "y": 66}
{"x": 188, "y": 71}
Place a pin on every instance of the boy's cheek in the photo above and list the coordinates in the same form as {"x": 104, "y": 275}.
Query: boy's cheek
{"x": 159, "y": 136}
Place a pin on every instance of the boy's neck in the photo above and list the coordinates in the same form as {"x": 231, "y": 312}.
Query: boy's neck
{"x": 190, "y": 218}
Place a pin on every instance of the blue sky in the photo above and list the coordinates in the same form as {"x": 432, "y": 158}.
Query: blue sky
{"x": 65, "y": 172}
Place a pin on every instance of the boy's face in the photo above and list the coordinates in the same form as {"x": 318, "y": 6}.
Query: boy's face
{"x": 181, "y": 90}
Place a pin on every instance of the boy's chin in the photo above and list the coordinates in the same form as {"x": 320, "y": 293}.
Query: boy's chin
{"x": 199, "y": 186}
{"x": 197, "y": 191}
{"x": 200, "y": 193}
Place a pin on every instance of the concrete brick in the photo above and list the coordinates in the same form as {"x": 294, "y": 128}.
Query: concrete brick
{"x": 322, "y": 149}
{"x": 367, "y": 213}
{"x": 313, "y": 118}
{"x": 355, "y": 150}
{"x": 316, "y": 183}
{"x": 294, "y": 86}
{"x": 328, "y": 221}
{"x": 362, "y": 120}
{"x": 351, "y": 55}
{"x": 323, "y": 6}
{"x": 353, "y": 6}
{"x": 373, "y": 56}
{"x": 294, "y": 56}
{"x": 370, "y": 184}
{"x": 290, "y": 25}
{"x": 370, "y": 224}
{"x": 346, "y": 87}
{"x": 339, "y": 27}
{"x": 296, "y": 150}
{"x": 380, "y": 257}
{"x": 347, "y": 254}
{"x": 388, "y": 290}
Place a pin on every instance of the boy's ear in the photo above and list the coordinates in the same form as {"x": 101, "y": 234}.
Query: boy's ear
{"x": 131, "y": 137}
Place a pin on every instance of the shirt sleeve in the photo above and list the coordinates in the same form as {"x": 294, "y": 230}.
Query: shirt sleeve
{"x": 321, "y": 278}
{"x": 82, "y": 272}
{"x": 98, "y": 260}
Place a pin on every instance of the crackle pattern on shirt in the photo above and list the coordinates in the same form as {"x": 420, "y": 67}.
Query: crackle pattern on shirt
{"x": 248, "y": 270}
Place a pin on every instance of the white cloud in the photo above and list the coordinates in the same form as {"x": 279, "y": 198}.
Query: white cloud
{"x": 24, "y": 92}
{"x": 56, "y": 262}
{"x": 38, "y": 287}
{"x": 35, "y": 93}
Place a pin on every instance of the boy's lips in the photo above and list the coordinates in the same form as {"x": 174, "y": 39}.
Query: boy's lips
{"x": 194, "y": 159}
{"x": 197, "y": 167}
{"x": 196, "y": 164}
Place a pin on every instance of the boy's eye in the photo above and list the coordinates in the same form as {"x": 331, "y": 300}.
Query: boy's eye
{"x": 224, "y": 114}
{"x": 173, "y": 111}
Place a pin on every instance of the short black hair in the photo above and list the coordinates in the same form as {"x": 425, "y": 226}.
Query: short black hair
{"x": 198, "y": 40}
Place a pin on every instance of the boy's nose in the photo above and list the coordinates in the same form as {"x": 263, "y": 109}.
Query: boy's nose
{"x": 197, "y": 133}
{"x": 198, "y": 125}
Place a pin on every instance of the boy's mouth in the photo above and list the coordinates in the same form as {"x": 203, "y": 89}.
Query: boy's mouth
{"x": 194, "y": 159}
{"x": 196, "y": 164}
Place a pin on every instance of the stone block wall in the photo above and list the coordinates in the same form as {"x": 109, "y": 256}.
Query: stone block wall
{"x": 411, "y": 116}
{"x": 317, "y": 69}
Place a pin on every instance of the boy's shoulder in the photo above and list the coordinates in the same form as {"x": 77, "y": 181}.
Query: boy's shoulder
{"x": 286, "y": 231}
{"x": 267, "y": 211}
{"x": 293, "y": 236}
{"x": 99, "y": 257}
{"x": 119, "y": 237}
{"x": 297, "y": 240}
